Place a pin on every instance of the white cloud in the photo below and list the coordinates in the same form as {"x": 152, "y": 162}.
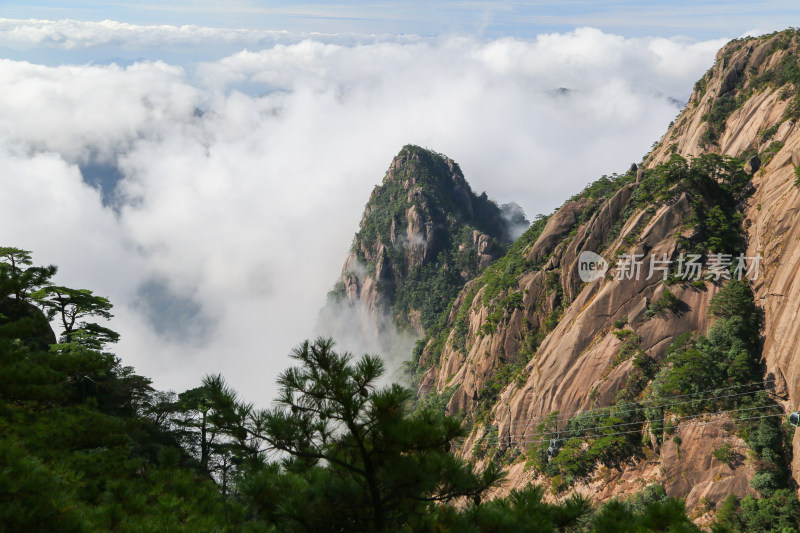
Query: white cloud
{"x": 69, "y": 34}
{"x": 119, "y": 39}
{"x": 78, "y": 111}
{"x": 232, "y": 223}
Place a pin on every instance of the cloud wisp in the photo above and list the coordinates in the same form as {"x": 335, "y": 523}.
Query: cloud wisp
{"x": 234, "y": 189}
{"x": 70, "y": 34}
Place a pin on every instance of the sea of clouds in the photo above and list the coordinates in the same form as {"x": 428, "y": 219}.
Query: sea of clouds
{"x": 214, "y": 201}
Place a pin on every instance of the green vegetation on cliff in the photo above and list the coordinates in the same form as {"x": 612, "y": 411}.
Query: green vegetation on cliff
{"x": 432, "y": 229}
{"x": 438, "y": 181}
{"x": 710, "y": 374}
{"x": 742, "y": 81}
{"x": 714, "y": 185}
{"x": 726, "y": 358}
{"x": 642, "y": 416}
{"x": 77, "y": 450}
{"x": 497, "y": 279}
{"x": 88, "y": 445}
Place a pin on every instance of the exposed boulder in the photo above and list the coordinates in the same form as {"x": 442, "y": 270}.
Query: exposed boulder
{"x": 556, "y": 228}
{"x": 752, "y": 165}
{"x": 732, "y": 76}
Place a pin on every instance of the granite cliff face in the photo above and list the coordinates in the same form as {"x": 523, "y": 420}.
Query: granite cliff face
{"x": 765, "y": 128}
{"x": 528, "y": 338}
{"x": 423, "y": 235}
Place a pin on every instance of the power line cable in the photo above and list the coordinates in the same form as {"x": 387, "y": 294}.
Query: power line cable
{"x": 679, "y": 425}
{"x": 642, "y": 406}
{"x": 555, "y": 434}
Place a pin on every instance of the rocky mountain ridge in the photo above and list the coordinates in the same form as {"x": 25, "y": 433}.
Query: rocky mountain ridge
{"x": 528, "y": 338}
{"x": 424, "y": 233}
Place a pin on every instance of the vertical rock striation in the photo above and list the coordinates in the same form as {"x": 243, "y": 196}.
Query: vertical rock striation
{"x": 527, "y": 337}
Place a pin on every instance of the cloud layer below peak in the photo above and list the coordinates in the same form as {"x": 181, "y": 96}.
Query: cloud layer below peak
{"x": 231, "y": 191}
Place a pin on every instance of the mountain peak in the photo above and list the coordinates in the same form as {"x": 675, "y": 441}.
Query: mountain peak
{"x": 744, "y": 102}
{"x": 429, "y": 180}
{"x": 416, "y": 166}
{"x": 423, "y": 235}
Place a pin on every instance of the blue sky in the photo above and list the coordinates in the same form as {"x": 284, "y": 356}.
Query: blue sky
{"x": 703, "y": 19}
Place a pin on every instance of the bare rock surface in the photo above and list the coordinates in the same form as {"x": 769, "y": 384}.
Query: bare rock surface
{"x": 575, "y": 366}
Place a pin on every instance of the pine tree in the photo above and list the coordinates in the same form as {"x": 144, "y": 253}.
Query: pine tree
{"x": 375, "y": 465}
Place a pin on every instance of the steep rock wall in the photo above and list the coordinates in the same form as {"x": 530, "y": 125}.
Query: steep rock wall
{"x": 576, "y": 367}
